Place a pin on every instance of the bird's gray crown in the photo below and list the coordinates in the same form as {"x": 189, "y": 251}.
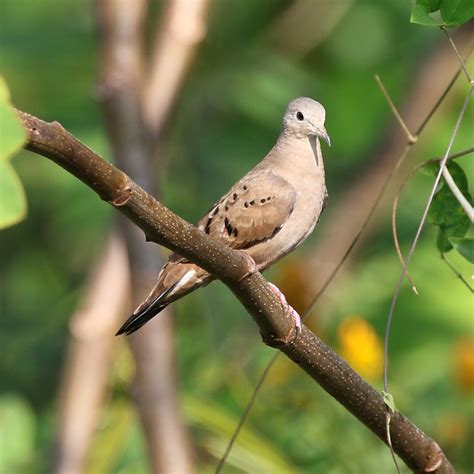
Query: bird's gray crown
{"x": 304, "y": 117}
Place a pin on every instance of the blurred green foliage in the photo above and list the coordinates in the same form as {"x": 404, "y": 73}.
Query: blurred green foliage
{"x": 12, "y": 139}
{"x": 227, "y": 118}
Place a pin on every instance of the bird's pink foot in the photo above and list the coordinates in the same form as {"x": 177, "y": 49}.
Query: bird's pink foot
{"x": 294, "y": 314}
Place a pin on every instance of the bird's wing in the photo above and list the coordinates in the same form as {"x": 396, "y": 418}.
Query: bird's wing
{"x": 254, "y": 210}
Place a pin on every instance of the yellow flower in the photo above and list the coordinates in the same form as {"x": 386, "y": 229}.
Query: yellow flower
{"x": 464, "y": 364}
{"x": 361, "y": 347}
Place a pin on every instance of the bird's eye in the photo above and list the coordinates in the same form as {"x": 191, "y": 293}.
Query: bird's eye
{"x": 299, "y": 116}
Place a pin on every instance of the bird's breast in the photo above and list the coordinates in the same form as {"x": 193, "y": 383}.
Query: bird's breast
{"x": 311, "y": 194}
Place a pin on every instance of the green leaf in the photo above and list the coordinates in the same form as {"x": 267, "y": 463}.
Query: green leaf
{"x": 456, "y": 12}
{"x": 465, "y": 246}
{"x": 17, "y": 432}
{"x": 430, "y": 5}
{"x": 448, "y": 13}
{"x": 421, "y": 15}
{"x": 12, "y": 196}
{"x": 4, "y": 92}
{"x": 430, "y": 168}
{"x": 446, "y": 212}
{"x": 12, "y": 139}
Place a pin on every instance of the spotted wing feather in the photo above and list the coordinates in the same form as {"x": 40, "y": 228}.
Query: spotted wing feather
{"x": 253, "y": 211}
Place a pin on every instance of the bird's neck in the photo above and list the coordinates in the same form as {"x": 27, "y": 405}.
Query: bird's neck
{"x": 300, "y": 150}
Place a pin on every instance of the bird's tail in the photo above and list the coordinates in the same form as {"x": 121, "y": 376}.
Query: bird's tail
{"x": 144, "y": 313}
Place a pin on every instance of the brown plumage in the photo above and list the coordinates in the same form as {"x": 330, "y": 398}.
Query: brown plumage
{"x": 270, "y": 211}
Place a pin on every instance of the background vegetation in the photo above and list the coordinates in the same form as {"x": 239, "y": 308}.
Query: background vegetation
{"x": 227, "y": 117}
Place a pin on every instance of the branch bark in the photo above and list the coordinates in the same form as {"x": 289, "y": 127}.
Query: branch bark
{"x": 417, "y": 450}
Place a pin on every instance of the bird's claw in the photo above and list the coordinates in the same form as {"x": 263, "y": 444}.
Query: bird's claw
{"x": 293, "y": 313}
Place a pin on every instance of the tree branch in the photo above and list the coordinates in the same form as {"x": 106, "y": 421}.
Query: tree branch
{"x": 160, "y": 225}
{"x": 335, "y": 242}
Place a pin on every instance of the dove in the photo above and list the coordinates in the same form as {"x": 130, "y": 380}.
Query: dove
{"x": 266, "y": 214}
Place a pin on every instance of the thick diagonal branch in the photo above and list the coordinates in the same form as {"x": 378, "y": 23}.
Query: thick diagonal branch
{"x": 417, "y": 450}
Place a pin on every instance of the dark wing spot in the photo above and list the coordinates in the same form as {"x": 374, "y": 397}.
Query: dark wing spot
{"x": 207, "y": 229}
{"x": 268, "y": 198}
{"x": 228, "y": 226}
{"x": 262, "y": 200}
{"x": 276, "y": 230}
{"x": 252, "y": 202}
{"x": 235, "y": 232}
{"x": 215, "y": 211}
{"x": 234, "y": 196}
{"x": 251, "y": 243}
{"x": 226, "y": 208}
{"x": 245, "y": 188}
{"x": 246, "y": 204}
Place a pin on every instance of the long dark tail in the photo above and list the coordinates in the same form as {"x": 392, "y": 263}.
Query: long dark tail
{"x": 143, "y": 314}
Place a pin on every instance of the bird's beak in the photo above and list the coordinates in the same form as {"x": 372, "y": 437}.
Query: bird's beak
{"x": 321, "y": 133}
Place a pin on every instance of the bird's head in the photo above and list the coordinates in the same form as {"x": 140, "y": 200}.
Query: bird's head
{"x": 305, "y": 117}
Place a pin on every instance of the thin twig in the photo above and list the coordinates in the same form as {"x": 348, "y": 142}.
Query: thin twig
{"x": 411, "y": 141}
{"x": 399, "y": 252}
{"x": 453, "y": 269}
{"x": 443, "y": 95}
{"x": 463, "y": 64}
{"x": 395, "y": 238}
{"x": 388, "y": 418}
{"x": 396, "y": 113}
{"x": 246, "y": 413}
{"x": 417, "y": 236}
{"x": 468, "y": 209}
{"x": 446, "y": 174}
{"x": 328, "y": 281}
{"x": 425, "y": 213}
{"x": 396, "y": 199}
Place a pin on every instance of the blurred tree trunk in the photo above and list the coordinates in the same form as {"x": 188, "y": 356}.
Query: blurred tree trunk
{"x": 137, "y": 97}
{"x": 155, "y": 390}
{"x": 85, "y": 372}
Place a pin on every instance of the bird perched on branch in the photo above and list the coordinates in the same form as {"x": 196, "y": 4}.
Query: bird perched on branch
{"x": 266, "y": 214}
